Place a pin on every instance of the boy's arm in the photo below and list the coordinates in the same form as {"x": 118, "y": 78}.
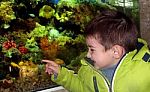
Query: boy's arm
{"x": 68, "y": 80}
{"x": 63, "y": 76}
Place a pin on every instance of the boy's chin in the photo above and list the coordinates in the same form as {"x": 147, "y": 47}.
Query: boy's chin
{"x": 96, "y": 66}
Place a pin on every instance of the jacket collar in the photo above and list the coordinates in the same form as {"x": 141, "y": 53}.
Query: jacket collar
{"x": 142, "y": 51}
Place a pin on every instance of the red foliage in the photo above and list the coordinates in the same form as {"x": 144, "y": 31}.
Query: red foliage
{"x": 23, "y": 49}
{"x": 9, "y": 44}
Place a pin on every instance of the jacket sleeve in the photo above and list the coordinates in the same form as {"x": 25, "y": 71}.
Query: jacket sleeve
{"x": 68, "y": 80}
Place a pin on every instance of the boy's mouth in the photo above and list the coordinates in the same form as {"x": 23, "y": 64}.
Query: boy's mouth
{"x": 89, "y": 60}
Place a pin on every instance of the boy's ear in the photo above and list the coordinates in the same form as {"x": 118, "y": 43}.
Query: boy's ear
{"x": 118, "y": 51}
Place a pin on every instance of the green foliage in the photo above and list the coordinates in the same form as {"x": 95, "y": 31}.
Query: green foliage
{"x": 46, "y": 12}
{"x": 76, "y": 61}
{"x": 35, "y": 57}
{"x": 3, "y": 39}
{"x": 67, "y": 53}
{"x": 53, "y": 34}
{"x": 79, "y": 39}
{"x": 20, "y": 37}
{"x": 6, "y": 12}
{"x": 62, "y": 40}
{"x": 10, "y": 52}
{"x": 39, "y": 31}
{"x": 68, "y": 3}
{"x": 64, "y": 16}
{"x": 32, "y": 45}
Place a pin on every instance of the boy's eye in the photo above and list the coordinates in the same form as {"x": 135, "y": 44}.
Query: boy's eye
{"x": 92, "y": 50}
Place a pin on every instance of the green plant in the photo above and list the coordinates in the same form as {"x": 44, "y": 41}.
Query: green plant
{"x": 32, "y": 45}
{"x": 39, "y": 31}
{"x": 46, "y": 12}
{"x": 6, "y": 12}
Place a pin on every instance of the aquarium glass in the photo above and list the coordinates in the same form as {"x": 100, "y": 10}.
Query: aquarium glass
{"x": 33, "y": 30}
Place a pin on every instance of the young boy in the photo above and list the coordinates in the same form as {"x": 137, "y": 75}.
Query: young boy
{"x": 117, "y": 61}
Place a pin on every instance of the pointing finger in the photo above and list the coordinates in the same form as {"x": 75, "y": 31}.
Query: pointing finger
{"x": 50, "y": 62}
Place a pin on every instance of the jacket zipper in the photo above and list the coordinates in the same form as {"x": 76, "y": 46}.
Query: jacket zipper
{"x": 95, "y": 84}
{"x": 114, "y": 75}
{"x": 107, "y": 83}
{"x": 104, "y": 78}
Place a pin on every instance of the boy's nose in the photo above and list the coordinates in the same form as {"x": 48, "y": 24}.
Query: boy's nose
{"x": 88, "y": 55}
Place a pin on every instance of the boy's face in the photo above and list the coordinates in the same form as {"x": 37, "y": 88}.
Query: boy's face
{"x": 97, "y": 53}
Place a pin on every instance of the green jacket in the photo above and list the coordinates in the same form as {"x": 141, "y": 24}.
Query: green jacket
{"x": 131, "y": 75}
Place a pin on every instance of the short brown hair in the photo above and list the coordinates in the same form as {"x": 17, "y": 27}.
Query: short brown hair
{"x": 112, "y": 27}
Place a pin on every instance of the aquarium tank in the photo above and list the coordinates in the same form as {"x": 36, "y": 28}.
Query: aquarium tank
{"x": 32, "y": 30}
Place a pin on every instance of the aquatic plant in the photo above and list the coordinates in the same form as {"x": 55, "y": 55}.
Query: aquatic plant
{"x": 83, "y": 14}
{"x": 32, "y": 45}
{"x": 39, "y": 31}
{"x": 49, "y": 48}
{"x": 3, "y": 39}
{"x": 63, "y": 17}
{"x": 6, "y": 12}
{"x": 44, "y": 43}
{"x": 10, "y": 52}
{"x": 35, "y": 57}
{"x": 62, "y": 40}
{"x": 46, "y": 12}
{"x": 23, "y": 49}
{"x": 79, "y": 39}
{"x": 76, "y": 62}
{"x": 53, "y": 34}
{"x": 20, "y": 37}
{"x": 9, "y": 48}
{"x": 64, "y": 10}
{"x": 68, "y": 3}
{"x": 34, "y": 52}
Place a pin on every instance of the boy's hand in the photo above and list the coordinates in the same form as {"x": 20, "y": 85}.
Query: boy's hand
{"x": 51, "y": 67}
